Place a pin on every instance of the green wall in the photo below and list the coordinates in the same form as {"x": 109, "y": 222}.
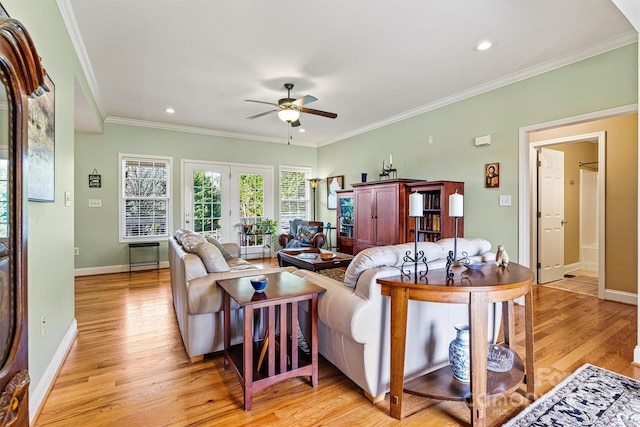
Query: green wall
{"x": 96, "y": 229}
{"x": 51, "y": 225}
{"x": 602, "y": 82}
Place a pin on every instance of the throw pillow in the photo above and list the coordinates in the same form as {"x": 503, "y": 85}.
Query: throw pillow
{"x": 191, "y": 240}
{"x": 211, "y": 257}
{"x": 305, "y": 233}
{"x": 221, "y": 248}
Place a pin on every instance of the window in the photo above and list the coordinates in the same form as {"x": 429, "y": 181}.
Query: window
{"x": 294, "y": 195}
{"x": 145, "y": 197}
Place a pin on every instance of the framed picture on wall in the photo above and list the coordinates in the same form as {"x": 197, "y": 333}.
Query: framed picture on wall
{"x": 492, "y": 175}
{"x": 41, "y": 145}
{"x": 334, "y": 183}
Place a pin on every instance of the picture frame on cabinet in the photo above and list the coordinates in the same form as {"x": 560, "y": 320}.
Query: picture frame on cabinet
{"x": 334, "y": 183}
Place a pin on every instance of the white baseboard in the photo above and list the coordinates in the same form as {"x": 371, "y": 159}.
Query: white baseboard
{"x": 620, "y": 296}
{"x": 571, "y": 267}
{"x": 38, "y": 392}
{"x": 636, "y": 355}
{"x": 110, "y": 269}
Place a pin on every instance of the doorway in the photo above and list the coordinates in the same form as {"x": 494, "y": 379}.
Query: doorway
{"x": 528, "y": 202}
{"x": 571, "y": 211}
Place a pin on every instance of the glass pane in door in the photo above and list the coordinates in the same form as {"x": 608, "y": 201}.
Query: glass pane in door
{"x": 207, "y": 203}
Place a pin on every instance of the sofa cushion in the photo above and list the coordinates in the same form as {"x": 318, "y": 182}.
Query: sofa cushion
{"x": 227, "y": 256}
{"x": 190, "y": 241}
{"x": 305, "y": 233}
{"x": 471, "y": 245}
{"x": 391, "y": 256}
{"x": 211, "y": 257}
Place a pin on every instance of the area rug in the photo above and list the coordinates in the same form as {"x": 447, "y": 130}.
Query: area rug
{"x": 334, "y": 273}
{"x": 591, "y": 396}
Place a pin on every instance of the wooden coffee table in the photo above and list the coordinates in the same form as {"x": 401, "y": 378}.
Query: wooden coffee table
{"x": 284, "y": 359}
{"x": 309, "y": 259}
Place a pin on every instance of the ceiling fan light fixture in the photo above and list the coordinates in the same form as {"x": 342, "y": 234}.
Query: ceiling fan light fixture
{"x": 288, "y": 115}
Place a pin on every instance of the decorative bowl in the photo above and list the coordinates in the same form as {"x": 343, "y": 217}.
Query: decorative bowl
{"x": 327, "y": 256}
{"x": 499, "y": 358}
{"x": 474, "y": 265}
{"x": 259, "y": 283}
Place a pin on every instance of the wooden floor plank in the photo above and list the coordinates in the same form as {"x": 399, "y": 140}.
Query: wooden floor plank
{"x": 128, "y": 366}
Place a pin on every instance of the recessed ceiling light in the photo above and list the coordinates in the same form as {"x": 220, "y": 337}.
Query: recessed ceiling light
{"x": 302, "y": 130}
{"x": 484, "y": 45}
{"x": 170, "y": 110}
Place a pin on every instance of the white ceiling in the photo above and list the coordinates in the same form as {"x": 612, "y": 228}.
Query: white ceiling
{"x": 372, "y": 62}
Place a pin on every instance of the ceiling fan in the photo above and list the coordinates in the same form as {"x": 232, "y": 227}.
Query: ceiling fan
{"x": 289, "y": 109}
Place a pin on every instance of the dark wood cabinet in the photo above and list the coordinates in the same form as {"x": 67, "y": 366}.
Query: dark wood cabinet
{"x": 435, "y": 224}
{"x": 22, "y": 76}
{"x": 380, "y": 213}
{"x": 345, "y": 220}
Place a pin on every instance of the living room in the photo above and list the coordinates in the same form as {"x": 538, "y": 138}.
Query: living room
{"x": 610, "y": 79}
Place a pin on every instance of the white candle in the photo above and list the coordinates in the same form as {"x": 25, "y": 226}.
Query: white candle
{"x": 390, "y": 159}
{"x": 456, "y": 203}
{"x": 415, "y": 204}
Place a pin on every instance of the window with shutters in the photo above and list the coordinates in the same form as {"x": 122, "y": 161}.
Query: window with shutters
{"x": 294, "y": 195}
{"x": 145, "y": 197}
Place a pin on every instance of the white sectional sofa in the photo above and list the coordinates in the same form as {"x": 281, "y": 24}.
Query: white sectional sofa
{"x": 353, "y": 328}
{"x": 196, "y": 264}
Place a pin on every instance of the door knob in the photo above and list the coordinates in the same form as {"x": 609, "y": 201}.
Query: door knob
{"x": 563, "y": 222}
{"x": 187, "y": 221}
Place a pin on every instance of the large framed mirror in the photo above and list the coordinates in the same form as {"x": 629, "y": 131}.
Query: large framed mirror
{"x": 22, "y": 76}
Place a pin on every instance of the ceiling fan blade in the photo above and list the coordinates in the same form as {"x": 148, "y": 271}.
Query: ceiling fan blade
{"x": 262, "y": 114}
{"x": 262, "y": 102}
{"x": 295, "y": 124}
{"x": 304, "y": 100}
{"x": 319, "y": 113}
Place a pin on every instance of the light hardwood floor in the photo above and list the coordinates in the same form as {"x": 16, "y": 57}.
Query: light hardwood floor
{"x": 128, "y": 366}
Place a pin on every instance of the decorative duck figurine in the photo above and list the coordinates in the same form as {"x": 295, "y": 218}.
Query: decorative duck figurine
{"x": 502, "y": 257}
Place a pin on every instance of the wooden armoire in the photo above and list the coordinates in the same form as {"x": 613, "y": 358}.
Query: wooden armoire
{"x": 22, "y": 77}
{"x": 380, "y": 213}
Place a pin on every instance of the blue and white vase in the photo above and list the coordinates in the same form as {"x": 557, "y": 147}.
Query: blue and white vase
{"x": 459, "y": 359}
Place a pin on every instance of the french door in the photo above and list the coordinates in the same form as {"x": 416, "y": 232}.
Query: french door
{"x": 218, "y": 197}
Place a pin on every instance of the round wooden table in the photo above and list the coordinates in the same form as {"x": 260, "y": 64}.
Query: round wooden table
{"x": 477, "y": 288}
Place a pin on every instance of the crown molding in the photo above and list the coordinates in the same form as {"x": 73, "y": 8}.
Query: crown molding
{"x": 200, "y": 131}
{"x": 70, "y": 22}
{"x": 577, "y": 56}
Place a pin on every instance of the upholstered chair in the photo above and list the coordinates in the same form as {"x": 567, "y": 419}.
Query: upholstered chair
{"x": 303, "y": 234}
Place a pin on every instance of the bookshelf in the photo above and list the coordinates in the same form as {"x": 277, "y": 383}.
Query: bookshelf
{"x": 435, "y": 224}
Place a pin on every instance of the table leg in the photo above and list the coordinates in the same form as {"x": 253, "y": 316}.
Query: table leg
{"x": 478, "y": 332}
{"x": 508, "y": 323}
{"x": 314, "y": 340}
{"x": 528, "y": 321}
{"x": 247, "y": 360}
{"x": 398, "y": 325}
{"x": 226, "y": 326}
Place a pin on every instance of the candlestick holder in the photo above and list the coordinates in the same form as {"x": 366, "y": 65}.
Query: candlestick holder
{"x": 418, "y": 257}
{"x": 388, "y": 172}
{"x": 452, "y": 258}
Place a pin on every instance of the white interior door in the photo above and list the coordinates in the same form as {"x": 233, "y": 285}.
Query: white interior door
{"x": 206, "y": 206}
{"x": 551, "y": 215}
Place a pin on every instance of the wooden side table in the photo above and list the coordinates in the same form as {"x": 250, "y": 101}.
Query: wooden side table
{"x": 284, "y": 357}
{"x": 477, "y": 288}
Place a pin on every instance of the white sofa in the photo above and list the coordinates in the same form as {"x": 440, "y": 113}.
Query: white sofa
{"x": 196, "y": 264}
{"x": 353, "y": 327}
